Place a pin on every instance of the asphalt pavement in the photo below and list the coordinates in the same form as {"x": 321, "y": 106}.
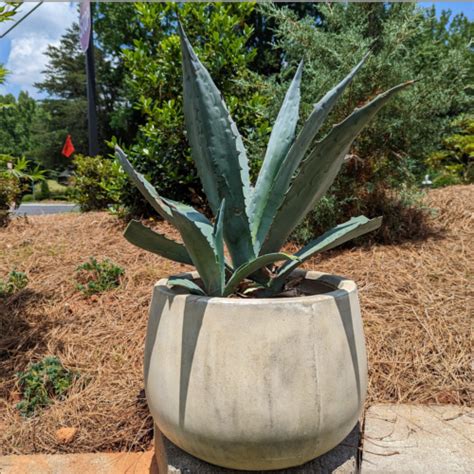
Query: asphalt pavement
{"x": 38, "y": 209}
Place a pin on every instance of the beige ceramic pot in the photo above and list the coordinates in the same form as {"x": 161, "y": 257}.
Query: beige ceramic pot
{"x": 257, "y": 384}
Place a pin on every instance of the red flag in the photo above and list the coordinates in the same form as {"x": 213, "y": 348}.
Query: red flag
{"x": 68, "y": 148}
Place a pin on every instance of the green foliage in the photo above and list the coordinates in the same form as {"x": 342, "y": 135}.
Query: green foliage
{"x": 7, "y": 11}
{"x": 454, "y": 162}
{"x": 17, "y": 177}
{"x": 21, "y": 168}
{"x": 254, "y": 230}
{"x": 410, "y": 43}
{"x": 95, "y": 277}
{"x": 51, "y": 189}
{"x": 28, "y": 198}
{"x": 388, "y": 156}
{"x": 57, "y": 191}
{"x": 405, "y": 215}
{"x": 42, "y": 192}
{"x": 15, "y": 281}
{"x": 17, "y": 117}
{"x": 98, "y": 182}
{"x": 220, "y": 34}
{"x": 42, "y": 383}
{"x": 10, "y": 191}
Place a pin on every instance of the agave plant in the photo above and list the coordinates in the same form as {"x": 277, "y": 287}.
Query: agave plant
{"x": 253, "y": 222}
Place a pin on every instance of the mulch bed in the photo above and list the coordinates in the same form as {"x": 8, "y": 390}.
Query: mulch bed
{"x": 415, "y": 304}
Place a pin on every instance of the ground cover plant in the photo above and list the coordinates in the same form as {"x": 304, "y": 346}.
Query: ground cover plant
{"x": 14, "y": 282}
{"x": 95, "y": 277}
{"x": 254, "y": 222}
{"x": 42, "y": 383}
{"x": 414, "y": 301}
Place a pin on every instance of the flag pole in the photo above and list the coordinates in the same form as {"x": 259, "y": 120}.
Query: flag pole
{"x": 91, "y": 92}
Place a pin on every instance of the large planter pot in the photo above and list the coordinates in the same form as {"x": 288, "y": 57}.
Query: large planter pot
{"x": 257, "y": 384}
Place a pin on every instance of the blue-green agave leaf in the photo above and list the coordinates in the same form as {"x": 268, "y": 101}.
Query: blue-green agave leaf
{"x": 188, "y": 284}
{"x": 198, "y": 237}
{"x": 265, "y": 208}
{"x": 247, "y": 269}
{"x": 281, "y": 138}
{"x": 141, "y": 236}
{"x": 340, "y": 234}
{"x": 218, "y": 152}
{"x": 319, "y": 169}
{"x": 148, "y": 191}
{"x": 218, "y": 235}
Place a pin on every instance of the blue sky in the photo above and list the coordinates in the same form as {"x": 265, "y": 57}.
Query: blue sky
{"x": 22, "y": 50}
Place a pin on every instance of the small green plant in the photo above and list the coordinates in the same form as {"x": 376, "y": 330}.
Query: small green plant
{"x": 96, "y": 277}
{"x": 253, "y": 221}
{"x": 15, "y": 281}
{"x": 42, "y": 383}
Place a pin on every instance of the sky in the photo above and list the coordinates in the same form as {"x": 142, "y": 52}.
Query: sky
{"x": 21, "y": 51}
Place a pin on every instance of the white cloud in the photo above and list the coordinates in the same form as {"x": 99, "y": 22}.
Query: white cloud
{"x": 30, "y": 40}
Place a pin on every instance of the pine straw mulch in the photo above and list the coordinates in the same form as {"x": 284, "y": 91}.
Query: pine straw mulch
{"x": 414, "y": 296}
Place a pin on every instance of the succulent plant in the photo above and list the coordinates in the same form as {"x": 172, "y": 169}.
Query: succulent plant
{"x": 253, "y": 222}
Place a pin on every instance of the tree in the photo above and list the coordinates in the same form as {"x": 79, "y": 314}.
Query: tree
{"x": 269, "y": 57}
{"x": 65, "y": 83}
{"x": 16, "y": 119}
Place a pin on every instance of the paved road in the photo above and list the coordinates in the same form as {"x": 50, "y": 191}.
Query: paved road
{"x": 38, "y": 209}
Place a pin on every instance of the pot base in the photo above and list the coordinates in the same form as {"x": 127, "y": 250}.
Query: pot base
{"x": 342, "y": 459}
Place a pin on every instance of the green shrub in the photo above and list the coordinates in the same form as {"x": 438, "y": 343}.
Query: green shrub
{"x": 95, "y": 277}
{"x": 453, "y": 163}
{"x": 15, "y": 281}
{"x": 42, "y": 383}
{"x": 50, "y": 189}
{"x": 98, "y": 182}
{"x": 57, "y": 191}
{"x": 388, "y": 158}
{"x": 24, "y": 171}
{"x": 10, "y": 191}
{"x": 220, "y": 34}
{"x": 43, "y": 191}
{"x": 405, "y": 217}
{"x": 28, "y": 198}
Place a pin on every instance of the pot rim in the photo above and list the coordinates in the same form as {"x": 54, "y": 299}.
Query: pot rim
{"x": 341, "y": 288}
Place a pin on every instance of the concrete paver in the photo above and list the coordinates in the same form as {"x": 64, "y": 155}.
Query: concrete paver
{"x": 94, "y": 463}
{"x": 418, "y": 439}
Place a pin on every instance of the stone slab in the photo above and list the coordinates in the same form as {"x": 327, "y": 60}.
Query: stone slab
{"x": 343, "y": 459}
{"x": 418, "y": 439}
{"x": 94, "y": 463}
